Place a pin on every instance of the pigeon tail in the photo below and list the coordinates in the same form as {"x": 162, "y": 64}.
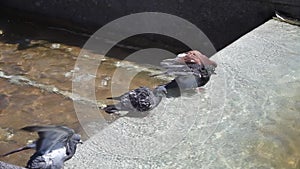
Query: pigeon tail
{"x": 159, "y": 74}
{"x": 114, "y": 98}
{"x": 110, "y": 109}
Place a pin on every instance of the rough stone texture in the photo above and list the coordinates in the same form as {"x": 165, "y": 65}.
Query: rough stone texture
{"x": 9, "y": 166}
{"x": 221, "y": 21}
{"x": 247, "y": 117}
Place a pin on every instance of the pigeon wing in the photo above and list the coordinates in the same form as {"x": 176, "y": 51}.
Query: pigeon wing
{"x": 49, "y": 136}
{"x": 182, "y": 69}
{"x": 177, "y": 67}
{"x": 141, "y": 99}
{"x": 186, "y": 64}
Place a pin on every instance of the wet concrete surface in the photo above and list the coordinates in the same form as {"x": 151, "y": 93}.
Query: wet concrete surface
{"x": 248, "y": 116}
{"x": 9, "y": 166}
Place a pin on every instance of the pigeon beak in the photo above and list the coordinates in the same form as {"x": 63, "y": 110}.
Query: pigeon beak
{"x": 80, "y": 142}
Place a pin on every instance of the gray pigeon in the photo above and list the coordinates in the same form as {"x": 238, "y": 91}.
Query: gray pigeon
{"x": 138, "y": 100}
{"x": 55, "y": 145}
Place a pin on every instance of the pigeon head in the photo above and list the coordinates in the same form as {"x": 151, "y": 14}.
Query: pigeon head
{"x": 160, "y": 91}
{"x": 76, "y": 139}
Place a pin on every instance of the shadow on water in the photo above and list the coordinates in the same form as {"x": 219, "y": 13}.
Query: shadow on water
{"x": 21, "y": 31}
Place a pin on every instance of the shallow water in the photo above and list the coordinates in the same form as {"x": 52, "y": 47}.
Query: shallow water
{"x": 46, "y": 57}
{"x": 267, "y": 137}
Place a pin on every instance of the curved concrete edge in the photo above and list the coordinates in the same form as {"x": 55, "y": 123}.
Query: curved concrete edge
{"x": 88, "y": 16}
{"x": 4, "y": 165}
{"x": 245, "y": 73}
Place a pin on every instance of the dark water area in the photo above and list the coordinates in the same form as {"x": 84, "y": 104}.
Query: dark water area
{"x": 70, "y": 35}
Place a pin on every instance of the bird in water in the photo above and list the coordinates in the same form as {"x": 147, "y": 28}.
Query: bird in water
{"x": 141, "y": 99}
{"x": 191, "y": 70}
{"x": 55, "y": 145}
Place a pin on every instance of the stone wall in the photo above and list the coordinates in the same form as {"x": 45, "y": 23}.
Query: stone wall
{"x": 222, "y": 21}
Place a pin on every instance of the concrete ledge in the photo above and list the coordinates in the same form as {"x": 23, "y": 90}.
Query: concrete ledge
{"x": 240, "y": 128}
{"x": 9, "y": 166}
{"x": 222, "y": 21}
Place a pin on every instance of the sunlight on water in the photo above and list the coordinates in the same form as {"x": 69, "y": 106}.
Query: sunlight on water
{"x": 40, "y": 58}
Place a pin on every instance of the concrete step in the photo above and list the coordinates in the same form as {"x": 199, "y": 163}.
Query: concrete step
{"x": 248, "y": 116}
{"x": 9, "y": 166}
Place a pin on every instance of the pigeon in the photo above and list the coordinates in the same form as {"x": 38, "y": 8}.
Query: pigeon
{"x": 191, "y": 70}
{"x": 182, "y": 84}
{"x": 189, "y": 63}
{"x": 141, "y": 99}
{"x": 55, "y": 145}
